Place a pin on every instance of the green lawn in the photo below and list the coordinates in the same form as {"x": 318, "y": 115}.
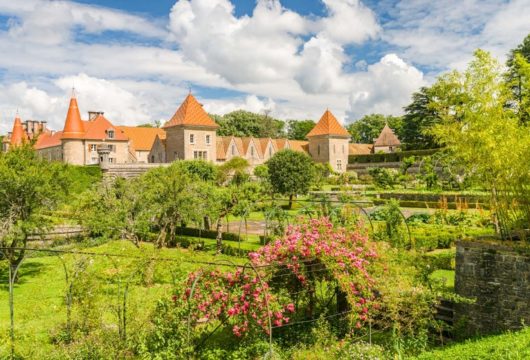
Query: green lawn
{"x": 510, "y": 346}
{"x": 39, "y": 295}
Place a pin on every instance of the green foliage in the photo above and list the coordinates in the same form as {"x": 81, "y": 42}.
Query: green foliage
{"x": 291, "y": 173}
{"x": 393, "y": 220}
{"x": 418, "y": 119}
{"x": 428, "y": 173}
{"x": 204, "y": 170}
{"x": 368, "y": 128}
{"x": 234, "y": 170}
{"x": 518, "y": 79}
{"x": 82, "y": 178}
{"x": 383, "y": 178}
{"x": 244, "y": 123}
{"x": 298, "y": 129}
{"x": 389, "y": 157}
{"x": 486, "y": 138}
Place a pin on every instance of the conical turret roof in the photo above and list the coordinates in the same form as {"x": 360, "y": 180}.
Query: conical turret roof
{"x": 18, "y": 135}
{"x": 387, "y": 138}
{"x": 191, "y": 113}
{"x": 73, "y": 125}
{"x": 328, "y": 125}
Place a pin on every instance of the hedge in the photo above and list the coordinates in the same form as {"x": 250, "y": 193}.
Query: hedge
{"x": 390, "y": 157}
{"x": 207, "y": 234}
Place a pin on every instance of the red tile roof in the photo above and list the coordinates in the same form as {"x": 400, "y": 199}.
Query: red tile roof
{"x": 142, "y": 138}
{"x": 18, "y": 135}
{"x": 191, "y": 113}
{"x": 328, "y": 125}
{"x": 387, "y": 138}
{"x": 360, "y": 149}
{"x": 73, "y": 125}
{"x": 98, "y": 128}
{"x": 48, "y": 139}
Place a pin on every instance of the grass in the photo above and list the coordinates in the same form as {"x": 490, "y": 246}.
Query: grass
{"x": 447, "y": 277}
{"x": 510, "y": 346}
{"x": 39, "y": 295}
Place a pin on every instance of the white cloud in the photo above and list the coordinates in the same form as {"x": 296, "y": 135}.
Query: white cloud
{"x": 249, "y": 103}
{"x": 384, "y": 88}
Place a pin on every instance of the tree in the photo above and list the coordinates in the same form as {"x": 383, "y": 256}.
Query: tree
{"x": 485, "y": 137}
{"x": 419, "y": 118}
{"x": 244, "y": 123}
{"x": 234, "y": 169}
{"x": 518, "y": 80}
{"x": 291, "y": 173}
{"x": 29, "y": 187}
{"x": 368, "y": 128}
{"x": 298, "y": 129}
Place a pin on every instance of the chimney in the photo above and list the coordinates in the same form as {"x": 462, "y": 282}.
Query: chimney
{"x": 92, "y": 115}
{"x": 43, "y": 126}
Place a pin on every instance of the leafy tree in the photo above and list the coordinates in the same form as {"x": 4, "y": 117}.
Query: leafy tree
{"x": 29, "y": 187}
{"x": 298, "y": 129}
{"x": 485, "y": 137}
{"x": 518, "y": 78}
{"x": 204, "y": 170}
{"x": 234, "y": 169}
{"x": 291, "y": 173}
{"x": 244, "y": 123}
{"x": 418, "y": 119}
{"x": 366, "y": 129}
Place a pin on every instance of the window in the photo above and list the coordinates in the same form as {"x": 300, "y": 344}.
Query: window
{"x": 334, "y": 150}
{"x": 233, "y": 149}
{"x": 111, "y": 160}
{"x": 343, "y": 148}
{"x": 192, "y": 139}
{"x": 112, "y": 148}
{"x": 339, "y": 164}
{"x": 110, "y": 134}
{"x": 270, "y": 150}
{"x": 207, "y": 139}
{"x": 93, "y": 147}
{"x": 202, "y": 155}
{"x": 252, "y": 151}
{"x": 318, "y": 149}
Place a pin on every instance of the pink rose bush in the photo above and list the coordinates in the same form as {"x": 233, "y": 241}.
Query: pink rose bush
{"x": 289, "y": 269}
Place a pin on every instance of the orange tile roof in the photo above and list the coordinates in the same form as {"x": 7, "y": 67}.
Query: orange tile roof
{"x": 387, "y": 138}
{"x": 191, "y": 112}
{"x": 220, "y": 147}
{"x": 239, "y": 144}
{"x": 97, "y": 130}
{"x": 48, "y": 139}
{"x": 73, "y": 125}
{"x": 264, "y": 142}
{"x": 360, "y": 149}
{"x": 18, "y": 135}
{"x": 299, "y": 145}
{"x": 328, "y": 125}
{"x": 142, "y": 138}
{"x": 280, "y": 144}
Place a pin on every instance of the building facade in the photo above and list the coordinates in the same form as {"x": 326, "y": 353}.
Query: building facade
{"x": 190, "y": 134}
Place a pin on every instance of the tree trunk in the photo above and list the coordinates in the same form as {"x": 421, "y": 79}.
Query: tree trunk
{"x": 219, "y": 238}
{"x": 291, "y": 201}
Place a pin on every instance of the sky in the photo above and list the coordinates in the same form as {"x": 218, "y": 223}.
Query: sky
{"x": 136, "y": 60}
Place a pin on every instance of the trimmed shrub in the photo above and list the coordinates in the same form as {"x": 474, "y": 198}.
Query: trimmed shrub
{"x": 390, "y": 157}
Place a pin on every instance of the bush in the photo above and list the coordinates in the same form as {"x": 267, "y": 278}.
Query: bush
{"x": 383, "y": 178}
{"x": 390, "y": 157}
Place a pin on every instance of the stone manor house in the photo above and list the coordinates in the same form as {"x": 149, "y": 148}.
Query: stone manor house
{"x": 189, "y": 134}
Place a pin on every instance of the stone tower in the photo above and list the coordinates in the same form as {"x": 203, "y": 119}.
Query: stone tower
{"x": 191, "y": 133}
{"x": 329, "y": 142}
{"x": 72, "y": 138}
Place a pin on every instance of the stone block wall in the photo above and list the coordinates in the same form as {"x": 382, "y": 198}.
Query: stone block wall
{"x": 497, "y": 276}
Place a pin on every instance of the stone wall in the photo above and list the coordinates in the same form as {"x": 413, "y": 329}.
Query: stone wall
{"x": 497, "y": 275}
{"x": 128, "y": 170}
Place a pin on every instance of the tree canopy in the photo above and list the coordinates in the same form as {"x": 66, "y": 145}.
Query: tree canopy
{"x": 242, "y": 123}
{"x": 367, "y": 128}
{"x": 298, "y": 129}
{"x": 290, "y": 173}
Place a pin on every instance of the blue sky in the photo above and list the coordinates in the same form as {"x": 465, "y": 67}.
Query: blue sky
{"x": 136, "y": 60}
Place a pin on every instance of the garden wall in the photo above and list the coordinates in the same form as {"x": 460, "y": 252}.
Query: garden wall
{"x": 497, "y": 275}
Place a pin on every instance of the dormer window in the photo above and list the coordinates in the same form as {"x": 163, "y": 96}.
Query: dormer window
{"x": 110, "y": 134}
{"x": 207, "y": 139}
{"x": 270, "y": 150}
{"x": 192, "y": 139}
{"x": 252, "y": 151}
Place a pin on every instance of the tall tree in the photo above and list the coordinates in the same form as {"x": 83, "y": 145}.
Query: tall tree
{"x": 298, "y": 129}
{"x": 419, "y": 118}
{"x": 517, "y": 78}
{"x": 366, "y": 129}
{"x": 245, "y": 123}
{"x": 291, "y": 173}
{"x": 486, "y": 138}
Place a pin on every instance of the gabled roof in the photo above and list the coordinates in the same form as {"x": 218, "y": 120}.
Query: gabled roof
{"x": 328, "y": 125}
{"x": 360, "y": 149}
{"x": 264, "y": 142}
{"x": 73, "y": 125}
{"x": 221, "y": 148}
{"x": 142, "y": 138}
{"x": 48, "y": 139}
{"x": 18, "y": 135}
{"x": 191, "y": 113}
{"x": 387, "y": 138}
{"x": 281, "y": 144}
{"x": 97, "y": 130}
{"x": 247, "y": 141}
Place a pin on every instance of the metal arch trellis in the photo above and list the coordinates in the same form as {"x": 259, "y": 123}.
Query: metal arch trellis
{"x": 404, "y": 221}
